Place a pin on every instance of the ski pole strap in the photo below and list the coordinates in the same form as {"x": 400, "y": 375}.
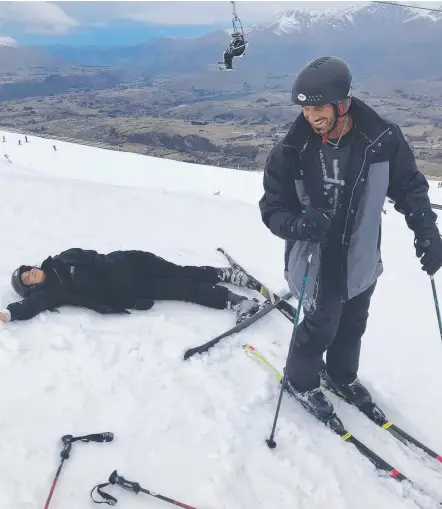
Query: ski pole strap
{"x": 114, "y": 478}
{"x": 107, "y": 499}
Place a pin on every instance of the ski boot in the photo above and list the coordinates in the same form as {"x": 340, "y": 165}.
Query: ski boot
{"x": 314, "y": 401}
{"x": 222, "y": 67}
{"x": 354, "y": 393}
{"x": 245, "y": 309}
{"x": 236, "y": 277}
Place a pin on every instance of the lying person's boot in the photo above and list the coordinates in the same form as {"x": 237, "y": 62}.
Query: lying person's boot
{"x": 244, "y": 307}
{"x": 236, "y": 277}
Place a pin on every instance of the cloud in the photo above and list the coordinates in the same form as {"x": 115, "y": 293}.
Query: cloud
{"x": 186, "y": 12}
{"x": 216, "y": 12}
{"x": 8, "y": 41}
{"x": 61, "y": 18}
{"x": 39, "y": 17}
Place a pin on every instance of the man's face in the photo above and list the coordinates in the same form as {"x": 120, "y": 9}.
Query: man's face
{"x": 321, "y": 118}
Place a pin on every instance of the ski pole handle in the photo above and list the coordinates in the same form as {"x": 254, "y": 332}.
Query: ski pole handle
{"x": 67, "y": 446}
{"x": 135, "y": 487}
{"x": 97, "y": 437}
{"x": 114, "y": 478}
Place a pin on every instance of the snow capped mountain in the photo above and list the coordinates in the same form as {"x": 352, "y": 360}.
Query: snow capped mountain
{"x": 8, "y": 42}
{"x": 375, "y": 39}
{"x": 300, "y": 20}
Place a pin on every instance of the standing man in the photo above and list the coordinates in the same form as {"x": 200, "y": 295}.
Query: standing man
{"x": 325, "y": 185}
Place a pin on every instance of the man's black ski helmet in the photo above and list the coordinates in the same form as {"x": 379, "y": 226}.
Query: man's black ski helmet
{"x": 17, "y": 283}
{"x": 326, "y": 80}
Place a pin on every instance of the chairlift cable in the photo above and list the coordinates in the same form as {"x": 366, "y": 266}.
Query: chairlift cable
{"x": 406, "y": 5}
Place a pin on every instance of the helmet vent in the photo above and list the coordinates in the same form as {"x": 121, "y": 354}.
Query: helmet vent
{"x": 316, "y": 63}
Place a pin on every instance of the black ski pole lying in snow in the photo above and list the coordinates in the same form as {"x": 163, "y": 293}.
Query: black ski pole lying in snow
{"x": 114, "y": 478}
{"x": 270, "y": 441}
{"x": 68, "y": 440}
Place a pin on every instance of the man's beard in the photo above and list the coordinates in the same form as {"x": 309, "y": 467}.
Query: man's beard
{"x": 324, "y": 128}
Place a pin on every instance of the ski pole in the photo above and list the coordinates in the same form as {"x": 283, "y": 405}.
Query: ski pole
{"x": 436, "y": 304}
{"x": 270, "y": 441}
{"x": 67, "y": 441}
{"x": 424, "y": 244}
{"x": 135, "y": 487}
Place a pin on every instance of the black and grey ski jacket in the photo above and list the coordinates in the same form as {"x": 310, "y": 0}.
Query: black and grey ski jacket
{"x": 381, "y": 164}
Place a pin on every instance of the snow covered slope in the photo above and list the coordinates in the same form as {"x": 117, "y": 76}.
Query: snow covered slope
{"x": 194, "y": 431}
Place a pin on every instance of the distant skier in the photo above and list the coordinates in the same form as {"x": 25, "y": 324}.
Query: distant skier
{"x": 121, "y": 280}
{"x": 4, "y": 139}
{"x": 19, "y": 142}
{"x": 7, "y": 158}
{"x": 235, "y": 49}
{"x": 55, "y": 148}
{"x": 324, "y": 187}
{"x": 26, "y": 139}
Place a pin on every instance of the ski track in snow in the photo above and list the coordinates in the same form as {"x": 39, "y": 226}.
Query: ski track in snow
{"x": 194, "y": 431}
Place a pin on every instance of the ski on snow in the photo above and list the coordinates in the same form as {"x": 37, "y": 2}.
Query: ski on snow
{"x": 278, "y": 302}
{"x": 372, "y": 412}
{"x": 336, "y": 425}
{"x": 272, "y": 301}
{"x": 265, "y": 308}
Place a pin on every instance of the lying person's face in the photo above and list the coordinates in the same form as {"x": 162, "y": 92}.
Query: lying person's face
{"x": 32, "y": 277}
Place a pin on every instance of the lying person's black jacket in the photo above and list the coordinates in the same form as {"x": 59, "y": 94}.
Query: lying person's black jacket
{"x": 104, "y": 283}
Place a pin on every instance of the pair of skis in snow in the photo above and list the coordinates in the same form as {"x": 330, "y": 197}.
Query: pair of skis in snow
{"x": 372, "y": 412}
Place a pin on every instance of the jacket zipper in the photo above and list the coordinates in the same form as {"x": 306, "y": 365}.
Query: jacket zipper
{"x": 344, "y": 260}
{"x": 357, "y": 180}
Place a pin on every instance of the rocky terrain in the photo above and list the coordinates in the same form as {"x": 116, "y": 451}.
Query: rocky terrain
{"x": 211, "y": 127}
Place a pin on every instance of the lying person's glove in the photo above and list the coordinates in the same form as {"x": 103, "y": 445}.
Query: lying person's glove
{"x": 143, "y": 304}
{"x": 105, "y": 309}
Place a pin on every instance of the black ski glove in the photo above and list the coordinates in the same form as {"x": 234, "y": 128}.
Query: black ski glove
{"x": 312, "y": 226}
{"x": 430, "y": 246}
{"x": 143, "y": 304}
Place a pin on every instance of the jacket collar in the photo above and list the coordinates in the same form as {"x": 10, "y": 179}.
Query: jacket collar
{"x": 57, "y": 273}
{"x": 365, "y": 120}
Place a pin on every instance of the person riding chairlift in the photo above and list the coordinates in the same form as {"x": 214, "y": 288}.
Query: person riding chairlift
{"x": 235, "y": 49}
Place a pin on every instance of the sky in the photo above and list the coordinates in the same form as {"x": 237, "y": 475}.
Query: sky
{"x": 126, "y": 22}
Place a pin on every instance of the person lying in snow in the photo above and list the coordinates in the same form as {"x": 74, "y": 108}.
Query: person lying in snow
{"x": 121, "y": 280}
